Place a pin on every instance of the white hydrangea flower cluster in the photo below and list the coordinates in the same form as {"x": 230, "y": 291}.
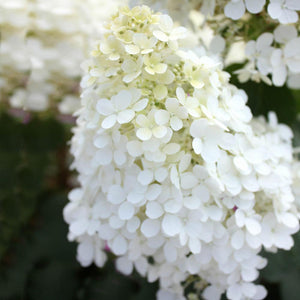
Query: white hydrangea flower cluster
{"x": 176, "y": 177}
{"x": 276, "y": 54}
{"x": 283, "y": 11}
{"x": 235, "y": 9}
{"x": 42, "y": 46}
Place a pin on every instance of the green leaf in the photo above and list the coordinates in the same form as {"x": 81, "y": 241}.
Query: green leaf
{"x": 290, "y": 287}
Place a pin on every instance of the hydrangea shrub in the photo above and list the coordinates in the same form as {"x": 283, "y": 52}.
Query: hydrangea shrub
{"x": 177, "y": 179}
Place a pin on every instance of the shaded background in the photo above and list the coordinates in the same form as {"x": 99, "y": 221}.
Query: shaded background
{"x": 36, "y": 260}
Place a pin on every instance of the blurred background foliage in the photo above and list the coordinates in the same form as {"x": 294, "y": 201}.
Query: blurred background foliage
{"x": 37, "y": 261}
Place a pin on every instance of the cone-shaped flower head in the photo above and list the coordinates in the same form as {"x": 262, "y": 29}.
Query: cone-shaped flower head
{"x": 172, "y": 165}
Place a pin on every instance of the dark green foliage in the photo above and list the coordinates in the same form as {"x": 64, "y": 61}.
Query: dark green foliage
{"x": 25, "y": 152}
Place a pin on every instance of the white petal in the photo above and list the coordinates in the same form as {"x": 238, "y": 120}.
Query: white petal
{"x": 160, "y": 92}
{"x": 174, "y": 176}
{"x": 250, "y": 183}
{"x": 195, "y": 245}
{"x": 154, "y": 210}
{"x": 131, "y": 76}
{"x": 180, "y": 94}
{"x": 135, "y": 197}
{"x": 188, "y": 181}
{"x": 119, "y": 245}
{"x": 289, "y": 220}
{"x": 274, "y": 10}
{"x": 237, "y": 239}
{"x": 285, "y": 33}
{"x": 161, "y": 174}
{"x": 185, "y": 162}
{"x": 176, "y": 123}
{"x": 133, "y": 224}
{"x": 129, "y": 66}
{"x": 161, "y": 36}
{"x": 234, "y": 292}
{"x": 170, "y": 252}
{"x": 109, "y": 121}
{"x": 197, "y": 145}
{"x": 126, "y": 211}
{"x": 242, "y": 165}
{"x": 264, "y": 41}
{"x": 115, "y": 222}
{"x": 192, "y": 202}
{"x": 214, "y": 212}
{"x": 141, "y": 266}
{"x": 144, "y": 134}
{"x": 234, "y": 10}
{"x": 217, "y": 44}
{"x": 79, "y": 227}
{"x": 145, "y": 177}
{"x": 171, "y": 225}
{"x": 135, "y": 148}
{"x": 124, "y": 265}
{"x": 210, "y": 152}
{"x": 293, "y": 4}
{"x": 160, "y": 68}
{"x": 125, "y": 116}
{"x": 212, "y": 293}
{"x": 250, "y": 48}
{"x": 288, "y": 16}
{"x": 172, "y": 206}
{"x": 261, "y": 293}
{"x": 172, "y": 104}
{"x": 255, "y": 6}
{"x": 122, "y": 100}
{"x": 198, "y": 128}
{"x": 165, "y": 23}
{"x": 253, "y": 226}
{"x": 119, "y": 157}
{"x": 150, "y": 228}
{"x": 100, "y": 141}
{"x": 140, "y": 105}
{"x": 116, "y": 194}
{"x": 104, "y": 107}
{"x": 103, "y": 157}
{"x": 161, "y": 117}
{"x": 142, "y": 120}
{"x": 85, "y": 253}
{"x": 132, "y": 49}
{"x": 279, "y": 75}
{"x": 106, "y": 232}
{"x": 160, "y": 131}
{"x": 153, "y": 191}
{"x": 202, "y": 193}
{"x": 171, "y": 148}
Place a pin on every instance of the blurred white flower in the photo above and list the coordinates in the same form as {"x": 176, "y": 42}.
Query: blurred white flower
{"x": 235, "y": 9}
{"x": 284, "y": 10}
